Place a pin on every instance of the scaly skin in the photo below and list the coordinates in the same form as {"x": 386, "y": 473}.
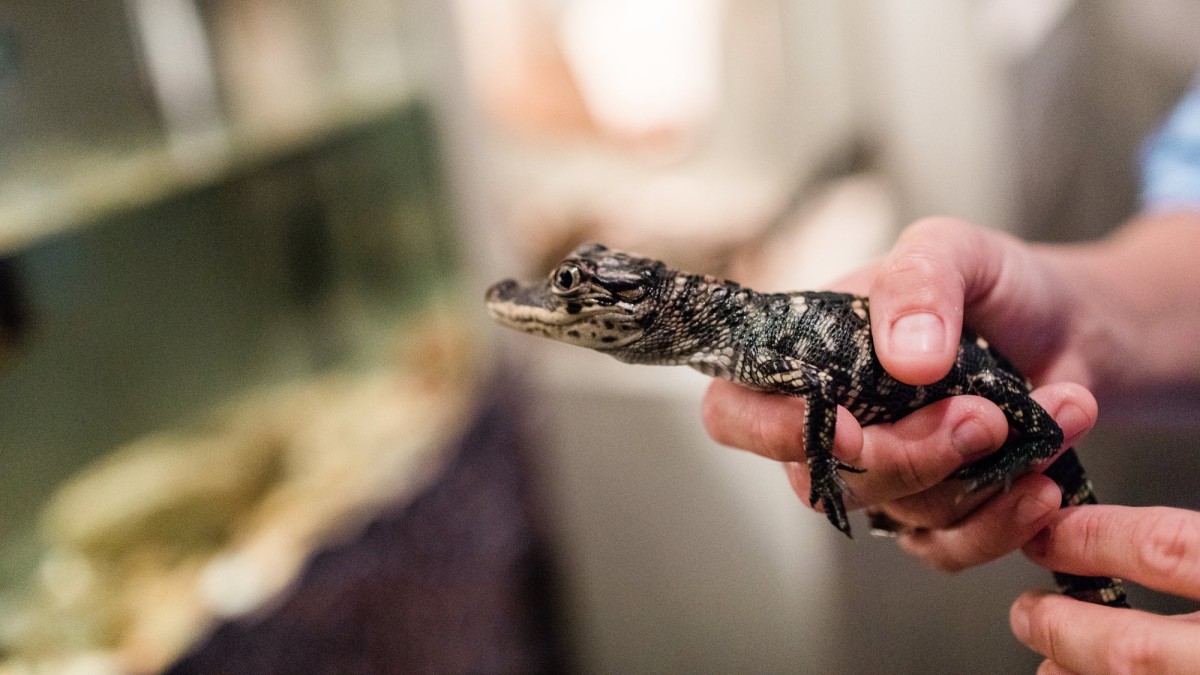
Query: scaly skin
{"x": 816, "y": 345}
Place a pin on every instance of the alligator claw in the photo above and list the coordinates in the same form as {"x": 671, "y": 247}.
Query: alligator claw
{"x": 828, "y": 489}
{"x": 842, "y": 466}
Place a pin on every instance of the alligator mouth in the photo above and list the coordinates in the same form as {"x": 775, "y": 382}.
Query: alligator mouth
{"x": 518, "y": 315}
{"x": 535, "y": 309}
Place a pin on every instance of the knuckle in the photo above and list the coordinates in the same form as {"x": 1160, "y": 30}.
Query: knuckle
{"x": 1165, "y": 547}
{"x": 1092, "y": 527}
{"x": 917, "y": 264}
{"x": 774, "y": 440}
{"x": 910, "y": 470}
{"x": 1135, "y": 651}
{"x": 917, "y": 276}
{"x": 926, "y": 266}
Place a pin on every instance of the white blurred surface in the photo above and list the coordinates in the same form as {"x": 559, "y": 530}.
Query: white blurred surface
{"x": 679, "y": 555}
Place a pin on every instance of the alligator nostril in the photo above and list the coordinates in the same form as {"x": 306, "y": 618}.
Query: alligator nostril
{"x": 502, "y": 290}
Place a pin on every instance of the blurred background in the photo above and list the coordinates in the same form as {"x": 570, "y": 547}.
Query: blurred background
{"x": 252, "y": 416}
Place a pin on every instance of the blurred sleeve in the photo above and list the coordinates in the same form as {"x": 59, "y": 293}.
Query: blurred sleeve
{"x": 1171, "y": 160}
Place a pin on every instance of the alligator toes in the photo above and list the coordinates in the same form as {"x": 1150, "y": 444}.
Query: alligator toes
{"x": 842, "y": 466}
{"x": 1003, "y": 465}
{"x": 834, "y": 507}
{"x": 835, "y": 511}
{"x": 828, "y": 490}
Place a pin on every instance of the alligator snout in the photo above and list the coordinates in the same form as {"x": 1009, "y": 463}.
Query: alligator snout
{"x": 502, "y": 290}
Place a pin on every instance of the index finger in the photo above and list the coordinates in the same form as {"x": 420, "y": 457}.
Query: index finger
{"x": 769, "y": 425}
{"x": 1157, "y": 547}
{"x": 942, "y": 270}
{"x": 1088, "y": 638}
{"x": 917, "y": 299}
{"x": 901, "y": 458}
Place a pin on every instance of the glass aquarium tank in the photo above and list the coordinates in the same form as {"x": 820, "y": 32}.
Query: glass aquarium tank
{"x": 230, "y": 315}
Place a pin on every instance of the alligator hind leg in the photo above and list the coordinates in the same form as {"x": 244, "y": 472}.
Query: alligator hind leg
{"x": 1039, "y": 436}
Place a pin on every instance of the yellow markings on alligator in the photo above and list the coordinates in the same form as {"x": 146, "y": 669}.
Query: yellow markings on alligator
{"x": 859, "y": 307}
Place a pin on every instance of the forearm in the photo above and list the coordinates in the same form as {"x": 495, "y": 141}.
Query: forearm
{"x": 1138, "y": 321}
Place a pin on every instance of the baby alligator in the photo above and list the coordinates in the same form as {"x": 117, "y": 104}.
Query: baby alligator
{"x": 815, "y": 345}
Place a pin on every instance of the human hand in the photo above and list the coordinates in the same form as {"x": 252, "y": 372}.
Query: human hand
{"x": 1155, "y": 547}
{"x": 940, "y": 272}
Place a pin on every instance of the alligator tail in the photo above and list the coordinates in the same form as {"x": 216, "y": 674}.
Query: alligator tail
{"x": 1077, "y": 490}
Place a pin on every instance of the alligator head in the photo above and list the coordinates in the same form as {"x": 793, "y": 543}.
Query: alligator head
{"x": 596, "y": 298}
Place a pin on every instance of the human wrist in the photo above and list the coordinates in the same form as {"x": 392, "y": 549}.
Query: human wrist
{"x": 1132, "y": 312}
{"x": 1098, "y": 351}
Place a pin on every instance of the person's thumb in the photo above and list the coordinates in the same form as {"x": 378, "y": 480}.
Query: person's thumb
{"x": 919, "y": 292}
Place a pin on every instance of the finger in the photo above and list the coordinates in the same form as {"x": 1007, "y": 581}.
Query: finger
{"x": 916, "y": 452}
{"x": 939, "y": 268}
{"x": 1157, "y": 547}
{"x": 1088, "y": 638}
{"x": 999, "y": 527}
{"x": 917, "y": 300}
{"x": 769, "y": 424}
{"x": 1072, "y": 406}
{"x": 904, "y": 458}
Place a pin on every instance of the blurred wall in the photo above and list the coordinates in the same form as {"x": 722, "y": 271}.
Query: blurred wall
{"x": 1020, "y": 115}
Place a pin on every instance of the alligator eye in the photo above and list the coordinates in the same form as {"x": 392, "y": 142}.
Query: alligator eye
{"x": 567, "y": 278}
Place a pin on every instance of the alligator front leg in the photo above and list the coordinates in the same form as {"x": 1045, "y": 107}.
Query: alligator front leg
{"x": 796, "y": 378}
{"x": 828, "y": 487}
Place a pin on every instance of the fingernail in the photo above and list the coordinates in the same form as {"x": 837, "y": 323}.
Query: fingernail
{"x": 1018, "y": 618}
{"x": 971, "y": 438}
{"x": 919, "y": 333}
{"x": 1071, "y": 418}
